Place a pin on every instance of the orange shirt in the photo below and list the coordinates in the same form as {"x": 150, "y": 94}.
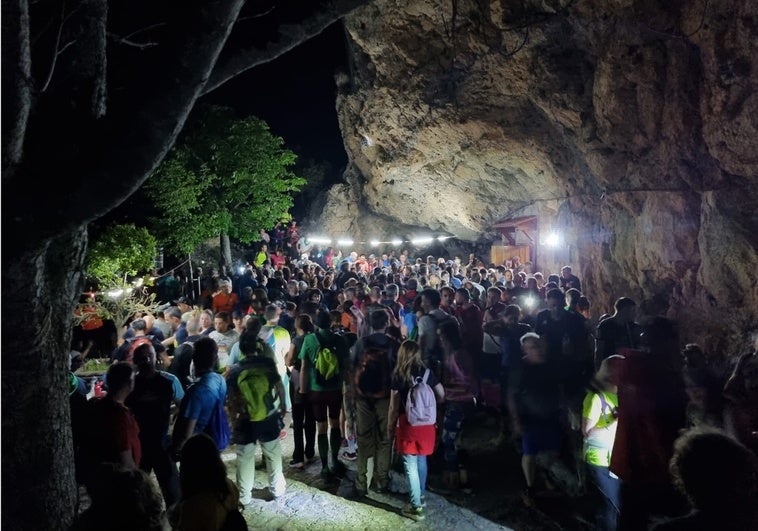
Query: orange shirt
{"x": 224, "y": 302}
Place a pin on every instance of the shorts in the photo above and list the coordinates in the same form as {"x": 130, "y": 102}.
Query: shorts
{"x": 326, "y": 403}
{"x": 541, "y": 438}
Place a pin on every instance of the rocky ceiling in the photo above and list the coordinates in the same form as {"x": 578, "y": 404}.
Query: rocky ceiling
{"x": 630, "y": 126}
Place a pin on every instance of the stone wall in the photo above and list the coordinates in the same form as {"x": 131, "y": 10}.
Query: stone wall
{"x": 630, "y": 126}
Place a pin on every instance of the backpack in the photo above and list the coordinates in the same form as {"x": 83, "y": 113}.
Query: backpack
{"x": 421, "y": 404}
{"x": 372, "y": 377}
{"x": 253, "y": 384}
{"x": 326, "y": 364}
{"x": 218, "y": 426}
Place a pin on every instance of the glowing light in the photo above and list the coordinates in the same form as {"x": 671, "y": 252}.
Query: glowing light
{"x": 115, "y": 293}
{"x": 320, "y": 239}
{"x": 397, "y": 241}
{"x": 553, "y": 239}
{"x": 420, "y": 241}
{"x": 530, "y": 302}
{"x": 374, "y": 243}
{"x": 241, "y": 269}
{"x": 345, "y": 243}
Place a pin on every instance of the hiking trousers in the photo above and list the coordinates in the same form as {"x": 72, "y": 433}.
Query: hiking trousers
{"x": 371, "y": 433}
{"x": 271, "y": 445}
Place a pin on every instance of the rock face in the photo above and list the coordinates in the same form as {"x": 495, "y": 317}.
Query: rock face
{"x": 629, "y": 126}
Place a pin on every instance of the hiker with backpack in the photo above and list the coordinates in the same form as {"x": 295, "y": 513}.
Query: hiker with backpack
{"x": 412, "y": 417}
{"x": 373, "y": 361}
{"x": 325, "y": 357}
{"x": 257, "y": 406}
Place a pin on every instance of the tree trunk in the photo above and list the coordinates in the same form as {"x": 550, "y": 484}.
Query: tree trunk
{"x": 226, "y": 255}
{"x": 41, "y": 286}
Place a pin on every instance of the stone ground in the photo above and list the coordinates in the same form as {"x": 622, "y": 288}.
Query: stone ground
{"x": 495, "y": 475}
{"x": 312, "y": 504}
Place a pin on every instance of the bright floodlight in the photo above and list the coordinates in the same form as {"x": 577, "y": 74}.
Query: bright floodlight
{"x": 241, "y": 270}
{"x": 397, "y": 242}
{"x": 374, "y": 243}
{"x": 419, "y": 241}
{"x": 553, "y": 239}
{"x": 443, "y": 238}
{"x": 320, "y": 239}
{"x": 344, "y": 243}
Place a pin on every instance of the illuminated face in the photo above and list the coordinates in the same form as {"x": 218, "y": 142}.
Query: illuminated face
{"x": 221, "y": 325}
{"x": 205, "y": 320}
{"x": 460, "y": 298}
{"x": 446, "y": 296}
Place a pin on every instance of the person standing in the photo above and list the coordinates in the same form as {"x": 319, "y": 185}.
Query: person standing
{"x": 324, "y": 392}
{"x": 599, "y": 421}
{"x": 304, "y": 425}
{"x": 151, "y": 400}
{"x": 202, "y": 397}
{"x": 112, "y": 432}
{"x": 414, "y": 443}
{"x": 225, "y": 337}
{"x": 373, "y": 361}
{"x": 256, "y": 402}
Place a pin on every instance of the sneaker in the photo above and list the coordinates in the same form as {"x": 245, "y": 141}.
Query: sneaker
{"x": 414, "y": 513}
{"x": 297, "y": 464}
{"x": 350, "y": 456}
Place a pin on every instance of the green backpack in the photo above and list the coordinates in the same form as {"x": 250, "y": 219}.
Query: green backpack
{"x": 254, "y": 385}
{"x": 326, "y": 363}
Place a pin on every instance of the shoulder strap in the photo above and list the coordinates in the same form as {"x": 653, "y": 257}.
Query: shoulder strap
{"x": 426, "y": 375}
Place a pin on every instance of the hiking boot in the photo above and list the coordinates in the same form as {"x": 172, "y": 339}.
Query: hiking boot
{"x": 299, "y": 465}
{"x": 414, "y": 513}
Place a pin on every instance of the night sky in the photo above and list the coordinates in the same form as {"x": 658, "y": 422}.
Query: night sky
{"x": 295, "y": 95}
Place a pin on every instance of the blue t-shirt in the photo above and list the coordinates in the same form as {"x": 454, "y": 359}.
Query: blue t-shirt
{"x": 200, "y": 399}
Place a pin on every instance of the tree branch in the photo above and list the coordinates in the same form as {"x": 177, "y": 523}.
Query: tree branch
{"x": 128, "y": 145}
{"x": 118, "y": 39}
{"x": 16, "y": 82}
{"x": 290, "y": 37}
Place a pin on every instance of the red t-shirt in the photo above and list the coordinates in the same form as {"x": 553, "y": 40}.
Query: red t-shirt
{"x": 652, "y": 404}
{"x": 113, "y": 430}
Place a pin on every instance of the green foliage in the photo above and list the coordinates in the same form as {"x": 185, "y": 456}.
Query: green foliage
{"x": 120, "y": 251}
{"x": 225, "y": 177}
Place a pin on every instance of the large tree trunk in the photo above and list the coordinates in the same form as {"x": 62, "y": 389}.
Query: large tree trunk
{"x": 226, "y": 254}
{"x": 39, "y": 295}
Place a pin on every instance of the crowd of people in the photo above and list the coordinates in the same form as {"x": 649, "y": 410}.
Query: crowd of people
{"x": 393, "y": 352}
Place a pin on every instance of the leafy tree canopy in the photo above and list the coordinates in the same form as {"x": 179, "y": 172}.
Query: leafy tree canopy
{"x": 225, "y": 177}
{"x": 120, "y": 251}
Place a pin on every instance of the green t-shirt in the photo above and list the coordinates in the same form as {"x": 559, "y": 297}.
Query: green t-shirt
{"x": 311, "y": 347}
{"x": 598, "y": 412}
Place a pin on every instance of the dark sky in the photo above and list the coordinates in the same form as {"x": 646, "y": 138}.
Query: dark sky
{"x": 295, "y": 95}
